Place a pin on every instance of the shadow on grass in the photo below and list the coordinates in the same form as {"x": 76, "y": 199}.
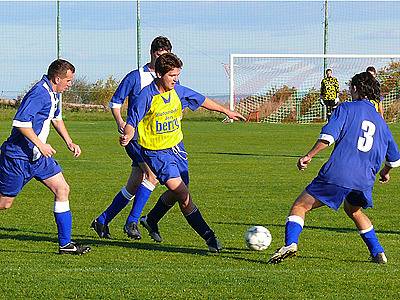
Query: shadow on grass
{"x": 248, "y": 154}
{"x": 266, "y": 255}
{"x": 335, "y": 229}
{"x": 28, "y": 235}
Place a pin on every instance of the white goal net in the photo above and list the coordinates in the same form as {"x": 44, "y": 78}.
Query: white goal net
{"x": 286, "y": 88}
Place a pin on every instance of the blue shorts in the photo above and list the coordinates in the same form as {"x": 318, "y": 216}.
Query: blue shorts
{"x": 333, "y": 195}
{"x": 168, "y": 163}
{"x": 134, "y": 151}
{"x": 15, "y": 173}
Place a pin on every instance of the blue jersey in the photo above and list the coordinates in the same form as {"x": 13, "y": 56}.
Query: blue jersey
{"x": 157, "y": 116}
{"x": 39, "y": 106}
{"x": 131, "y": 86}
{"x": 362, "y": 142}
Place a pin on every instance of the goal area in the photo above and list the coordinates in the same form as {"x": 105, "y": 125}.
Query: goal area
{"x": 278, "y": 88}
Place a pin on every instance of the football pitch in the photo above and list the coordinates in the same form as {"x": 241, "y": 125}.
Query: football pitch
{"x": 241, "y": 175}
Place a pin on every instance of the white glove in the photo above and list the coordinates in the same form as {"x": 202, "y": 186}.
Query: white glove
{"x": 321, "y": 101}
{"x": 337, "y": 100}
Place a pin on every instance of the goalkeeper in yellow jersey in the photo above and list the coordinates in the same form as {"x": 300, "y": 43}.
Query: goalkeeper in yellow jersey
{"x": 329, "y": 93}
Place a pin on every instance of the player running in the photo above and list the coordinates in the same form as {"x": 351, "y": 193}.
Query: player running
{"x": 362, "y": 142}
{"x": 26, "y": 154}
{"x": 141, "y": 181}
{"x": 156, "y": 116}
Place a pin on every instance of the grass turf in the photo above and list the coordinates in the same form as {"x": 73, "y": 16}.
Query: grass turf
{"x": 241, "y": 175}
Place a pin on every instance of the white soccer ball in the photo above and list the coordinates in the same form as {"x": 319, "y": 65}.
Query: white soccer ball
{"x": 258, "y": 238}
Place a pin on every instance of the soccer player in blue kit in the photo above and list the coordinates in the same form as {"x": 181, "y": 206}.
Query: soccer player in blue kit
{"x": 141, "y": 181}
{"x": 362, "y": 142}
{"x": 156, "y": 116}
{"x": 26, "y": 155}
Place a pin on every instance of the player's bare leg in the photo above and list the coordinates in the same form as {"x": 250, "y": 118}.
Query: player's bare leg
{"x": 367, "y": 232}
{"x": 63, "y": 216}
{"x": 58, "y": 185}
{"x": 303, "y": 204}
{"x": 135, "y": 179}
{"x": 294, "y": 225}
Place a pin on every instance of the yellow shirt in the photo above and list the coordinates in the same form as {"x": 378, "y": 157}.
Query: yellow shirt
{"x": 157, "y": 117}
{"x": 329, "y": 88}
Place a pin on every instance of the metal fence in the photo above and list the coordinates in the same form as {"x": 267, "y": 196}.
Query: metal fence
{"x": 99, "y": 37}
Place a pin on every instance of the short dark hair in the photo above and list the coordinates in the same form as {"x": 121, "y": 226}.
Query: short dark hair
{"x": 367, "y": 86}
{"x": 160, "y": 43}
{"x": 328, "y": 70}
{"x": 371, "y": 69}
{"x": 59, "y": 68}
{"x": 166, "y": 62}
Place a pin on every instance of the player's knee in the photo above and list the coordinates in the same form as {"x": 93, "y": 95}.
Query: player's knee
{"x": 151, "y": 178}
{"x": 351, "y": 213}
{"x": 187, "y": 205}
{"x": 62, "y": 191}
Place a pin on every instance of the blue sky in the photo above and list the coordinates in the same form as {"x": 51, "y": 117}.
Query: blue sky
{"x": 99, "y": 37}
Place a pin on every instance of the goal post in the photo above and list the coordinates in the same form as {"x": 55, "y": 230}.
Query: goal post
{"x": 279, "y": 88}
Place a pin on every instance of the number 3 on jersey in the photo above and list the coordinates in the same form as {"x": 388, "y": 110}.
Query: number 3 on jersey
{"x": 365, "y": 142}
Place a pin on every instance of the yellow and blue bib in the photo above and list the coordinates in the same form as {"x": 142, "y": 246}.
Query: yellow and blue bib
{"x": 157, "y": 116}
{"x": 161, "y": 126}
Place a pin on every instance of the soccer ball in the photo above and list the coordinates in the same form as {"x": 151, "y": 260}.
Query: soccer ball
{"x": 258, "y": 238}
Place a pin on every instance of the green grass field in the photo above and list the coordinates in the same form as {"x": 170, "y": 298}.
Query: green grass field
{"x": 241, "y": 175}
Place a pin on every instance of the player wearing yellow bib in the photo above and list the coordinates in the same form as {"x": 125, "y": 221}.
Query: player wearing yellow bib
{"x": 157, "y": 115}
{"x": 329, "y": 93}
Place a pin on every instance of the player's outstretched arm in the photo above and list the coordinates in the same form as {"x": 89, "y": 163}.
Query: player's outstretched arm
{"x": 63, "y": 132}
{"x": 128, "y": 134}
{"x": 303, "y": 161}
{"x": 213, "y": 106}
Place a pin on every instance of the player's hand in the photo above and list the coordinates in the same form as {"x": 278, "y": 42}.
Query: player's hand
{"x": 124, "y": 140}
{"x": 121, "y": 127}
{"x": 75, "y": 149}
{"x": 321, "y": 101}
{"x": 384, "y": 176}
{"x": 234, "y": 115}
{"x": 303, "y": 162}
{"x": 337, "y": 100}
{"x": 46, "y": 150}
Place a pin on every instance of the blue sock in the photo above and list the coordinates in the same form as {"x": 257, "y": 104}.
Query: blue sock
{"x": 293, "y": 228}
{"x": 197, "y": 222}
{"x": 142, "y": 195}
{"x": 371, "y": 240}
{"x": 120, "y": 201}
{"x": 63, "y": 217}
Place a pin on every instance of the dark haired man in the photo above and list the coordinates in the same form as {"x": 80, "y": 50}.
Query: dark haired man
{"x": 141, "y": 181}
{"x": 26, "y": 154}
{"x": 156, "y": 116}
{"x": 362, "y": 141}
